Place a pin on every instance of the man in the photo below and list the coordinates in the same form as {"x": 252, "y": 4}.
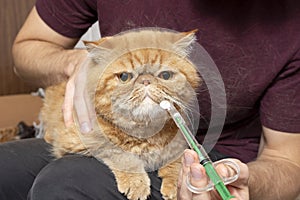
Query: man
{"x": 255, "y": 45}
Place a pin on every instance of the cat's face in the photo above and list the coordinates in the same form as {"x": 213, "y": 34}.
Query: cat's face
{"x": 130, "y": 89}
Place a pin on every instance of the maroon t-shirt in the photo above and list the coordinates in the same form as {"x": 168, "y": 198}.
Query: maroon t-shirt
{"x": 255, "y": 45}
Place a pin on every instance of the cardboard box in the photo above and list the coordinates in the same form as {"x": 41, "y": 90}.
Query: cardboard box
{"x": 17, "y": 108}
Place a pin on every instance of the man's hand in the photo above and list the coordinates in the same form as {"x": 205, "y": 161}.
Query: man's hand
{"x": 76, "y": 99}
{"x": 198, "y": 178}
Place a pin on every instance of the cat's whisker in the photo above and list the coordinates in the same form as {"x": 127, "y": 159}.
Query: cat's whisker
{"x": 187, "y": 110}
{"x": 135, "y": 95}
{"x": 175, "y": 100}
{"x": 200, "y": 90}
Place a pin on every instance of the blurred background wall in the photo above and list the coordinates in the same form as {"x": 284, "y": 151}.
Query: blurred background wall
{"x": 12, "y": 15}
{"x": 16, "y": 102}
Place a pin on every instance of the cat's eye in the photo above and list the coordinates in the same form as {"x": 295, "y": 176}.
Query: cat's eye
{"x": 166, "y": 75}
{"x": 125, "y": 77}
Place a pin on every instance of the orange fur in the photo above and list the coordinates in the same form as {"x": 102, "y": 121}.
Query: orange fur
{"x": 8, "y": 134}
{"x": 128, "y": 116}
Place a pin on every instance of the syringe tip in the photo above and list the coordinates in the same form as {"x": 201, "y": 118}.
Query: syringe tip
{"x": 165, "y": 105}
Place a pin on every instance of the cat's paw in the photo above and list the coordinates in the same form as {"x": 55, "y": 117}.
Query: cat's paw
{"x": 169, "y": 174}
{"x": 169, "y": 189}
{"x": 136, "y": 186}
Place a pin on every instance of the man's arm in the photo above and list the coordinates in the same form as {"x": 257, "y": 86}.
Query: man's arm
{"x": 276, "y": 172}
{"x": 41, "y": 55}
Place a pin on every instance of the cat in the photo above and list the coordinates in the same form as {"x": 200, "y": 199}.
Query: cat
{"x": 129, "y": 75}
{"x": 8, "y": 134}
{"x": 21, "y": 131}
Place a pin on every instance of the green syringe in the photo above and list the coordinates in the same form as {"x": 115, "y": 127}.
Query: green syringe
{"x": 203, "y": 157}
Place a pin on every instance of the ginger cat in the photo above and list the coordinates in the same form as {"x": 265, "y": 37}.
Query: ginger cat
{"x": 128, "y": 76}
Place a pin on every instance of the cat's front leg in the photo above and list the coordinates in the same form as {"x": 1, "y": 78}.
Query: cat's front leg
{"x": 136, "y": 186}
{"x": 169, "y": 174}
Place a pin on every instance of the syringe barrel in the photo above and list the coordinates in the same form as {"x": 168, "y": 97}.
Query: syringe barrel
{"x": 189, "y": 137}
{"x": 203, "y": 157}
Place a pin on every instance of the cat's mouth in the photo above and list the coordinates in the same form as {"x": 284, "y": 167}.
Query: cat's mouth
{"x": 150, "y": 99}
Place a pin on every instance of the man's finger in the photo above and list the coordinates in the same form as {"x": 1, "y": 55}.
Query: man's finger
{"x": 81, "y": 101}
{"x": 68, "y": 103}
{"x": 229, "y": 171}
{"x": 199, "y": 179}
{"x": 238, "y": 188}
{"x": 182, "y": 192}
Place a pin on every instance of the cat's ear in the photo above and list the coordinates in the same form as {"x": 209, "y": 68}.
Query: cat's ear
{"x": 99, "y": 49}
{"x": 90, "y": 45}
{"x": 184, "y": 41}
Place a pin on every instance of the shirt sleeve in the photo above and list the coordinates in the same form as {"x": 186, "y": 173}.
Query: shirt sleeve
{"x": 280, "y": 105}
{"x": 70, "y": 18}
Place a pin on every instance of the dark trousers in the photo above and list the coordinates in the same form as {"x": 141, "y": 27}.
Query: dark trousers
{"x": 28, "y": 171}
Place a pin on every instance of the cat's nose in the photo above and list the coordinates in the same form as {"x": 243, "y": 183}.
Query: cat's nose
{"x": 146, "y": 82}
{"x": 145, "y": 79}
